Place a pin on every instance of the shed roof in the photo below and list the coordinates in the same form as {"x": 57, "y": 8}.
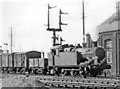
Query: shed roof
{"x": 110, "y": 24}
{"x": 114, "y": 17}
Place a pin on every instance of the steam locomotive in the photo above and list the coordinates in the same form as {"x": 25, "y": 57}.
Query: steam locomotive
{"x": 69, "y": 60}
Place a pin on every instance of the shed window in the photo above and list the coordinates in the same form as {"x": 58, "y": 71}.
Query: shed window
{"x": 108, "y": 47}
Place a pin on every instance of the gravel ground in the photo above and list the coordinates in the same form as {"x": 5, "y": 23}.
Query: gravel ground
{"x": 21, "y": 81}
{"x": 9, "y": 81}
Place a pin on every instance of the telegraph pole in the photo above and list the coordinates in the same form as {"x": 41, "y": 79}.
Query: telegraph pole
{"x": 48, "y": 16}
{"x": 11, "y": 37}
{"x": 118, "y": 13}
{"x": 83, "y": 17}
{"x": 117, "y": 37}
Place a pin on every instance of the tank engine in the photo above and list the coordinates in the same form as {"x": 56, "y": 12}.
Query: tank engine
{"x": 77, "y": 61}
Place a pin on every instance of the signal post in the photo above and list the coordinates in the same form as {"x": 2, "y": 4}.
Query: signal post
{"x": 54, "y": 30}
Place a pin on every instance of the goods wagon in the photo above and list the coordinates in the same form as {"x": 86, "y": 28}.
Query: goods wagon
{"x": 37, "y": 65}
{"x": 37, "y": 62}
{"x": 6, "y": 61}
{"x": 21, "y": 62}
{"x": 26, "y": 61}
{"x": 19, "y": 59}
{"x": 10, "y": 64}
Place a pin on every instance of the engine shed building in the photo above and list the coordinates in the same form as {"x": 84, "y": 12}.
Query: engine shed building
{"x": 109, "y": 38}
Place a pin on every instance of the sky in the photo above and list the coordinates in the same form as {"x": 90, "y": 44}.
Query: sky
{"x": 28, "y": 19}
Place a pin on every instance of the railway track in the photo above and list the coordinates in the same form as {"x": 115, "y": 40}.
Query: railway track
{"x": 76, "y": 82}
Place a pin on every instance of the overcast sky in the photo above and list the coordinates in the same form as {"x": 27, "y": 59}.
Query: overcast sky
{"x": 28, "y": 19}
